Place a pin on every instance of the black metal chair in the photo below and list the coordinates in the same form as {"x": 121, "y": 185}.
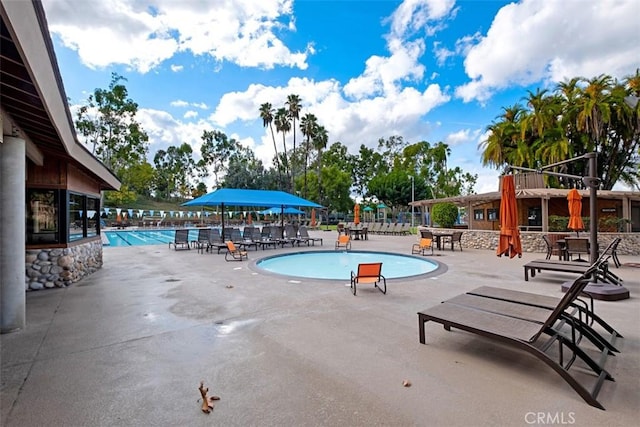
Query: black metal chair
{"x": 578, "y": 247}
{"x": 455, "y": 237}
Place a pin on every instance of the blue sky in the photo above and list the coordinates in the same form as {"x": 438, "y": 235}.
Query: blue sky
{"x": 434, "y": 70}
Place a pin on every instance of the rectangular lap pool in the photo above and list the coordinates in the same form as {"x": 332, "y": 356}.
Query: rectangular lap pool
{"x": 142, "y": 237}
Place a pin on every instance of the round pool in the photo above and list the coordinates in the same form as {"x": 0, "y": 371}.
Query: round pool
{"x": 338, "y": 265}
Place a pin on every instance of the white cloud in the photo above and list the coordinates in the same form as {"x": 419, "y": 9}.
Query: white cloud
{"x": 413, "y": 16}
{"x": 179, "y": 103}
{"x": 142, "y": 34}
{"x": 190, "y": 114}
{"x": 461, "y": 137}
{"x": 176, "y": 68}
{"x": 536, "y": 40}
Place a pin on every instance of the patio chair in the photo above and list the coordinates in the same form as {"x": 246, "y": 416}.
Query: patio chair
{"x": 422, "y": 246}
{"x": 203, "y": 238}
{"x": 291, "y": 235}
{"x": 215, "y": 241}
{"x": 582, "y": 311}
{"x": 233, "y": 253}
{"x": 344, "y": 241}
{"x": 369, "y": 273}
{"x": 613, "y": 251}
{"x": 181, "y": 239}
{"x": 552, "y": 246}
{"x": 277, "y": 234}
{"x": 496, "y": 322}
{"x": 374, "y": 228}
{"x": 306, "y": 238}
{"x": 456, "y": 237}
{"x": 577, "y": 246}
{"x": 426, "y": 234}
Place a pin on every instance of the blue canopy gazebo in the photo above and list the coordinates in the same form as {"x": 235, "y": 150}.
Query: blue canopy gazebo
{"x": 256, "y": 198}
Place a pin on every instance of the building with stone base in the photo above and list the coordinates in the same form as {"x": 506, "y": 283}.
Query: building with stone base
{"x": 50, "y": 184}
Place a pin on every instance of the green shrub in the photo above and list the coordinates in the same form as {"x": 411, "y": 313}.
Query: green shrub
{"x": 558, "y": 223}
{"x": 444, "y": 214}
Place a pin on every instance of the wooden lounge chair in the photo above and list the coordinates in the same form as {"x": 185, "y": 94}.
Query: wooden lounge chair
{"x": 422, "y": 246}
{"x": 526, "y": 333}
{"x": 233, "y": 253}
{"x": 181, "y": 239}
{"x": 369, "y": 273}
{"x": 344, "y": 241}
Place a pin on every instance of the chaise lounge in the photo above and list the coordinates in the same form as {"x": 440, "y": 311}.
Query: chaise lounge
{"x": 514, "y": 324}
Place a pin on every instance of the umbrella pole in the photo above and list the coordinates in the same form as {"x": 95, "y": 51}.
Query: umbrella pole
{"x": 222, "y": 219}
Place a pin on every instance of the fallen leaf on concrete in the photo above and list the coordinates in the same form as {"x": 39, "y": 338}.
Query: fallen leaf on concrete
{"x": 229, "y": 286}
{"x": 207, "y": 401}
{"x": 406, "y": 383}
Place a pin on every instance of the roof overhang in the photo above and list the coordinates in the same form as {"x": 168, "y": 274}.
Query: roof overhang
{"x": 535, "y": 193}
{"x": 33, "y": 99}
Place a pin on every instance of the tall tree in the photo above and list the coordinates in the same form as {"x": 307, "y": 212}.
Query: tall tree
{"x": 581, "y": 116}
{"x": 108, "y": 124}
{"x": 283, "y": 125}
{"x": 319, "y": 144}
{"x": 216, "y": 150}
{"x": 294, "y": 106}
{"x": 266, "y": 113}
{"x": 309, "y": 128}
{"x": 174, "y": 171}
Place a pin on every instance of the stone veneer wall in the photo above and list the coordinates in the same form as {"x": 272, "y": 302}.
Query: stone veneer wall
{"x": 532, "y": 240}
{"x": 60, "y": 267}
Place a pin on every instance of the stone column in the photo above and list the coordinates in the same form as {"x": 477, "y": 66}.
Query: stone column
{"x": 12, "y": 234}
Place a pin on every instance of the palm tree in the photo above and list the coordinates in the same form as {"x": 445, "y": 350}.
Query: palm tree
{"x": 281, "y": 121}
{"x": 266, "y": 113}
{"x": 308, "y": 127}
{"x": 502, "y": 142}
{"x": 293, "y": 111}
{"x": 320, "y": 143}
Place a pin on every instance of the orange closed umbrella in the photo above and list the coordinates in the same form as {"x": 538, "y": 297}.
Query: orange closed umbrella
{"x": 575, "y": 211}
{"x": 356, "y": 214}
{"x": 313, "y": 217}
{"x": 509, "y": 243}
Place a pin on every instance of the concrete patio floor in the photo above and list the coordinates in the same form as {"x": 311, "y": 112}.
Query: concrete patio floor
{"x": 129, "y": 345}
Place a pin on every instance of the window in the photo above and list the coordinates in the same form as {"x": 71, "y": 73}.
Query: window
{"x": 478, "y": 214}
{"x": 42, "y": 217}
{"x": 93, "y": 216}
{"x": 76, "y": 217}
{"x": 492, "y": 214}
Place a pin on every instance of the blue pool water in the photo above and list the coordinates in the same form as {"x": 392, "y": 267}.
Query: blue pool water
{"x": 338, "y": 265}
{"x": 144, "y": 237}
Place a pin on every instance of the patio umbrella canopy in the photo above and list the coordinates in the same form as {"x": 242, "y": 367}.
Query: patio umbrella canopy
{"x": 278, "y": 210}
{"x": 509, "y": 242}
{"x": 257, "y": 198}
{"x": 575, "y": 211}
